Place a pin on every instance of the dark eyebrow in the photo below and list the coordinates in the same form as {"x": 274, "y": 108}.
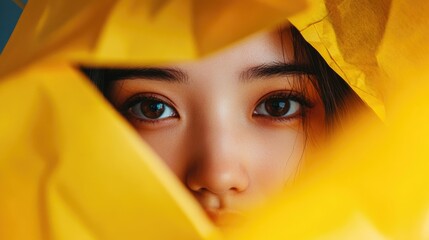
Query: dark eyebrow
{"x": 152, "y": 73}
{"x": 274, "y": 69}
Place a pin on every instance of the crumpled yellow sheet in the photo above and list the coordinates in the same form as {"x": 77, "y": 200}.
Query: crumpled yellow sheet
{"x": 70, "y": 168}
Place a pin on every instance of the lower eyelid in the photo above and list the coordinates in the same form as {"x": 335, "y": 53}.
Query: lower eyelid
{"x": 143, "y": 123}
{"x": 298, "y": 114}
{"x": 279, "y": 120}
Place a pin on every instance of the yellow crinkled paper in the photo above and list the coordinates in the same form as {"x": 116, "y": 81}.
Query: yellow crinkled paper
{"x": 70, "y": 168}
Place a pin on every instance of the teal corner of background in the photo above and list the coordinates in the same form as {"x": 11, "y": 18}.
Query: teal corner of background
{"x": 9, "y": 15}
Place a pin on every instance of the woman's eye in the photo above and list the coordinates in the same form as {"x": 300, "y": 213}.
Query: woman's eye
{"x": 152, "y": 109}
{"x": 278, "y": 107}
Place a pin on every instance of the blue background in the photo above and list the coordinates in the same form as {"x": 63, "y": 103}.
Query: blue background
{"x": 9, "y": 15}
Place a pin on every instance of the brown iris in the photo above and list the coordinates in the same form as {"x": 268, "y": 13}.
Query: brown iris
{"x": 152, "y": 109}
{"x": 277, "y": 107}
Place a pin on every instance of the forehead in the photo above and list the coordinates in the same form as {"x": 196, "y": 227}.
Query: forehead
{"x": 259, "y": 49}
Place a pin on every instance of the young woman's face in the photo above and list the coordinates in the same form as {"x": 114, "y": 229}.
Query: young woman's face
{"x": 230, "y": 126}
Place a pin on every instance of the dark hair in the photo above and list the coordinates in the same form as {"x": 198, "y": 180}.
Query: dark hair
{"x": 339, "y": 100}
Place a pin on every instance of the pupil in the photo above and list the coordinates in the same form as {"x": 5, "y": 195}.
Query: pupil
{"x": 276, "y": 107}
{"x": 152, "y": 109}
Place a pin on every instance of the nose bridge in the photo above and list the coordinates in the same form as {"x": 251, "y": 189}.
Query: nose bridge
{"x": 219, "y": 163}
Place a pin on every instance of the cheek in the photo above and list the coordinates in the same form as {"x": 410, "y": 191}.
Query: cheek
{"x": 276, "y": 157}
{"x": 170, "y": 145}
{"x": 316, "y": 126}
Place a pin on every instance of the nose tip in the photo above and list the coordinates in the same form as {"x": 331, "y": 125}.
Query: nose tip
{"x": 218, "y": 160}
{"x": 220, "y": 177}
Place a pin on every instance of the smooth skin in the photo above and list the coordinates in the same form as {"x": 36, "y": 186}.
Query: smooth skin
{"x": 232, "y": 126}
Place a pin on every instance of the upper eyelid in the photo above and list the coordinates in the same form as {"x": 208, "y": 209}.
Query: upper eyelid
{"x": 299, "y": 96}
{"x": 130, "y": 101}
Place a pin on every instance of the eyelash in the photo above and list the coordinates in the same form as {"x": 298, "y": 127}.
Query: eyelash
{"x": 126, "y": 108}
{"x": 303, "y": 103}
